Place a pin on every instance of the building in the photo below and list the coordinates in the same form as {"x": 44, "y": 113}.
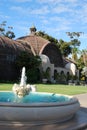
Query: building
{"x": 9, "y": 50}
{"x": 52, "y": 60}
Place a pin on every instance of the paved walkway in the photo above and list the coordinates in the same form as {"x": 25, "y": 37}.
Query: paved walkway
{"x": 83, "y": 101}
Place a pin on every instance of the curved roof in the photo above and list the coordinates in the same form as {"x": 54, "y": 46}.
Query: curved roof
{"x": 11, "y": 46}
{"x": 36, "y": 42}
{"x": 33, "y": 44}
{"x": 40, "y": 46}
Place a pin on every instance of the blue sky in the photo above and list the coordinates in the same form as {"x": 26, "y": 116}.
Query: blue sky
{"x": 55, "y": 17}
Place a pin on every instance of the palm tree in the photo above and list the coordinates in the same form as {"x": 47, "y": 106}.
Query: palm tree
{"x": 84, "y": 54}
{"x": 75, "y": 51}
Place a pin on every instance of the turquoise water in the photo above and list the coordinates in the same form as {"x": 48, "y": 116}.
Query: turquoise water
{"x": 33, "y": 97}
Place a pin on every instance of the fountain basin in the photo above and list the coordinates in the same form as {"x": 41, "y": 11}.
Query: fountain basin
{"x": 39, "y": 112}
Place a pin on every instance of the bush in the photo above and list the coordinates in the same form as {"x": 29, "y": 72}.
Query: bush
{"x": 33, "y": 76}
{"x": 31, "y": 63}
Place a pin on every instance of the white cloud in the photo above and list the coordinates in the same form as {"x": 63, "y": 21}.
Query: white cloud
{"x": 64, "y": 27}
{"x": 55, "y": 28}
{"x": 17, "y": 8}
{"x": 45, "y": 21}
{"x": 79, "y": 15}
{"x": 54, "y": 15}
{"x": 71, "y": 1}
{"x": 37, "y": 11}
{"x": 2, "y": 16}
{"x": 62, "y": 8}
{"x": 49, "y": 1}
{"x": 43, "y": 10}
{"x": 61, "y": 20}
{"x": 57, "y": 1}
{"x": 21, "y": 1}
{"x": 83, "y": 14}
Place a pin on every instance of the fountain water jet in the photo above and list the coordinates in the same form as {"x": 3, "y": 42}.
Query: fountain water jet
{"x": 23, "y": 78}
{"x": 22, "y": 89}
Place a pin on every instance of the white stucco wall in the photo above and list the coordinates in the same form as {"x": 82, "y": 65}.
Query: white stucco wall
{"x": 59, "y": 69}
{"x": 70, "y": 67}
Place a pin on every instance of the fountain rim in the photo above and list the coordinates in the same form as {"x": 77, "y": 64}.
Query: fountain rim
{"x": 72, "y": 100}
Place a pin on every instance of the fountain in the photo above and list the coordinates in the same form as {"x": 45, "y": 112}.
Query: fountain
{"x": 24, "y": 104}
{"x": 22, "y": 89}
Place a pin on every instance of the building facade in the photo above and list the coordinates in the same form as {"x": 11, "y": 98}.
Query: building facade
{"x": 50, "y": 54}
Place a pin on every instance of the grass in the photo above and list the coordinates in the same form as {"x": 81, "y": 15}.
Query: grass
{"x": 6, "y": 86}
{"x": 53, "y": 88}
{"x": 62, "y": 89}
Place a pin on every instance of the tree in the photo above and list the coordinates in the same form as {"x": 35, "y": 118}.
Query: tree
{"x": 62, "y": 45}
{"x": 80, "y": 63}
{"x": 74, "y": 54}
{"x": 84, "y": 72}
{"x": 64, "y": 48}
{"x": 84, "y": 56}
{"x": 74, "y": 34}
{"x": 8, "y": 33}
{"x": 48, "y": 37}
{"x": 82, "y": 60}
{"x": 74, "y": 43}
{"x": 2, "y": 27}
{"x": 31, "y": 64}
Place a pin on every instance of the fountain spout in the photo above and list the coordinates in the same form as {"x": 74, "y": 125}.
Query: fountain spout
{"x": 22, "y": 89}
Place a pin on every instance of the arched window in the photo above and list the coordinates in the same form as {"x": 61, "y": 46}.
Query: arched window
{"x": 67, "y": 76}
{"x": 55, "y": 74}
{"x": 62, "y": 72}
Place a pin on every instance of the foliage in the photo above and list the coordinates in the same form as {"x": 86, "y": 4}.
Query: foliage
{"x": 45, "y": 74}
{"x": 82, "y": 60}
{"x": 74, "y": 43}
{"x": 80, "y": 63}
{"x": 31, "y": 64}
{"x": 46, "y": 36}
{"x": 84, "y": 71}
{"x": 70, "y": 47}
{"x": 74, "y": 34}
{"x": 84, "y": 56}
{"x": 64, "y": 47}
{"x": 8, "y": 33}
{"x": 28, "y": 60}
{"x": 33, "y": 76}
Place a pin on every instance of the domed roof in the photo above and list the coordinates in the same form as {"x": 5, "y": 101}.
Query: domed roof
{"x": 36, "y": 42}
{"x": 40, "y": 45}
{"x": 11, "y": 46}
